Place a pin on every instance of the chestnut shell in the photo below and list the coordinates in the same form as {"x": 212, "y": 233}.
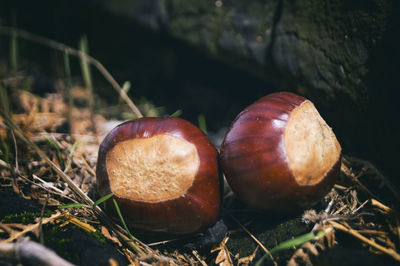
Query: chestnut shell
{"x": 254, "y": 160}
{"x": 193, "y": 211}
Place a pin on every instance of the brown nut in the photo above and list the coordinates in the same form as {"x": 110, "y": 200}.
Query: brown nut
{"x": 163, "y": 173}
{"x": 280, "y": 155}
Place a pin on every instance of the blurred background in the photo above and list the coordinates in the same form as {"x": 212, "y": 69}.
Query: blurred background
{"x": 207, "y": 60}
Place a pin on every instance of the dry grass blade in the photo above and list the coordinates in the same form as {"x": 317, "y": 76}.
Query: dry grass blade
{"x": 4, "y": 164}
{"x": 196, "y": 254}
{"x": 70, "y": 219}
{"x": 370, "y": 242}
{"x": 67, "y": 49}
{"x": 382, "y": 207}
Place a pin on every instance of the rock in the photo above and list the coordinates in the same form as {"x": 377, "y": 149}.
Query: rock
{"x": 325, "y": 46}
{"x": 321, "y": 46}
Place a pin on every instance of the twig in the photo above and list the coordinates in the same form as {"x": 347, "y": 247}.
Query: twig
{"x": 67, "y": 49}
{"x": 359, "y": 207}
{"x": 256, "y": 240}
{"x": 83, "y": 138}
{"x": 27, "y": 252}
{"x": 370, "y": 242}
{"x": 164, "y": 242}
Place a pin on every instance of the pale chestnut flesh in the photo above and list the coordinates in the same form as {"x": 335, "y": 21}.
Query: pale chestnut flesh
{"x": 280, "y": 154}
{"x": 153, "y": 169}
{"x": 311, "y": 146}
{"x": 163, "y": 173}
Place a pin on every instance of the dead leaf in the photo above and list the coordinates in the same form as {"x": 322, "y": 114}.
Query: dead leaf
{"x": 223, "y": 257}
{"x": 247, "y": 260}
{"x": 107, "y": 235}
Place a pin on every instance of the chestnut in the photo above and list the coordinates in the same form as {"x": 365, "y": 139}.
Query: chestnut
{"x": 163, "y": 173}
{"x": 280, "y": 155}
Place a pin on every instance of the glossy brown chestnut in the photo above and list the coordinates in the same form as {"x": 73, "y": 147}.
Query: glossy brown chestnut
{"x": 163, "y": 173}
{"x": 280, "y": 155}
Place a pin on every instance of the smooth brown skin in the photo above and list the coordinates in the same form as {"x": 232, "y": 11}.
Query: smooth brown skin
{"x": 196, "y": 210}
{"x": 255, "y": 163}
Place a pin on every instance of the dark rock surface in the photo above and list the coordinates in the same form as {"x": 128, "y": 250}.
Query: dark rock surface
{"x": 322, "y": 46}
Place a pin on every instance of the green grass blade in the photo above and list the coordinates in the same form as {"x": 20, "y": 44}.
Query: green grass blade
{"x": 54, "y": 144}
{"x": 126, "y": 86}
{"x": 14, "y": 44}
{"x": 177, "y": 113}
{"x": 202, "y": 123}
{"x": 86, "y": 72}
{"x": 71, "y": 152}
{"x": 87, "y": 76}
{"x": 67, "y": 69}
{"x": 102, "y": 199}
{"x": 121, "y": 218}
{"x": 297, "y": 241}
{"x": 73, "y": 205}
{"x": 84, "y": 48}
{"x": 74, "y": 146}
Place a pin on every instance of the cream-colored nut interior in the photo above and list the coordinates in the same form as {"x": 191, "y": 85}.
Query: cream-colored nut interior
{"x": 152, "y": 169}
{"x": 311, "y": 145}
